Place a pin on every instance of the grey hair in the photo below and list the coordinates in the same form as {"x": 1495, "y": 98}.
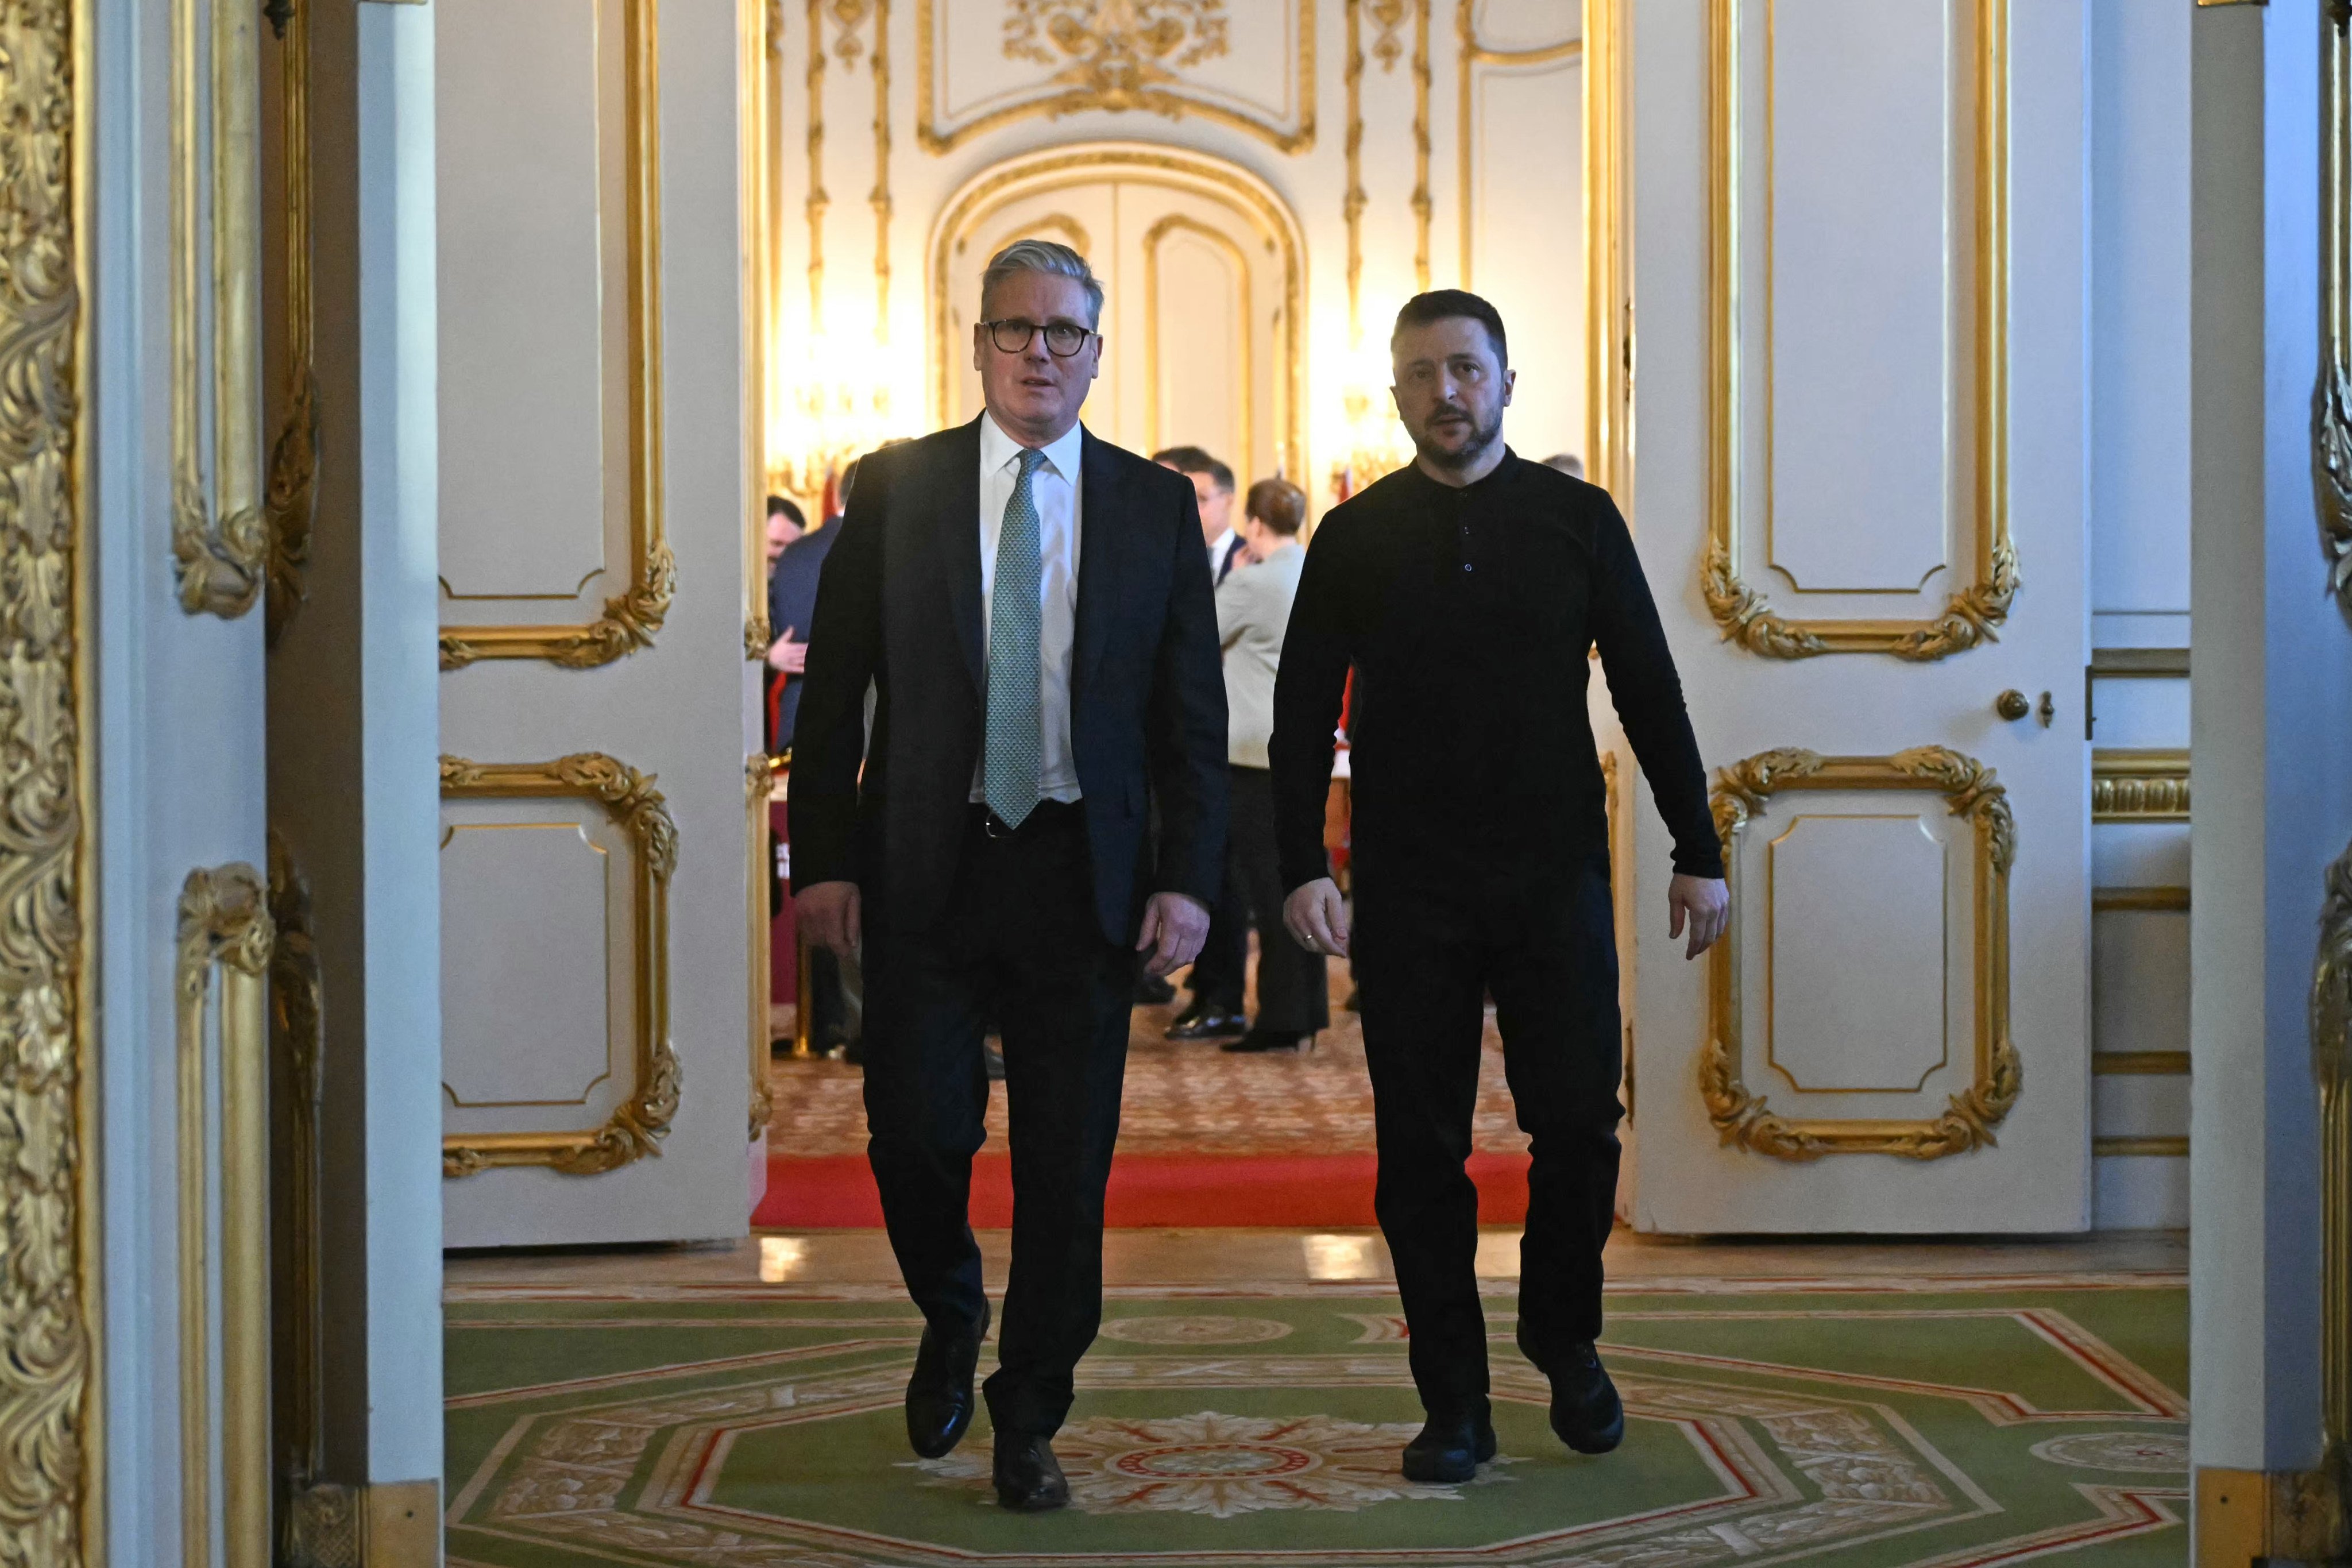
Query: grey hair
{"x": 1044, "y": 256}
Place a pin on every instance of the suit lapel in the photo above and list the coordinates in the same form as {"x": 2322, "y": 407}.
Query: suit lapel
{"x": 959, "y": 520}
{"x": 1100, "y": 541}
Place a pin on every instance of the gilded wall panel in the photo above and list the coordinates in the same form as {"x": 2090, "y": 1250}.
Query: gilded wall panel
{"x": 979, "y": 65}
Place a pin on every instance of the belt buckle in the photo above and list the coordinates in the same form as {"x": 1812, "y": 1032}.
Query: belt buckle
{"x": 994, "y": 826}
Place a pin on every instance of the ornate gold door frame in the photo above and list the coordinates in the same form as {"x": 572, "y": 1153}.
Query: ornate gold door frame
{"x": 1741, "y": 794}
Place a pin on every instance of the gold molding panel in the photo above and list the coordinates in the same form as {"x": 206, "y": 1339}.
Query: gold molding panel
{"x": 1470, "y": 53}
{"x": 1111, "y": 60}
{"x": 1245, "y": 451}
{"x": 220, "y": 527}
{"x": 1741, "y": 794}
{"x": 2139, "y": 786}
{"x": 632, "y": 617}
{"x": 225, "y": 927}
{"x": 52, "y": 1514}
{"x": 754, "y": 42}
{"x": 1974, "y": 615}
{"x": 640, "y": 1122}
{"x": 2331, "y": 400}
{"x": 296, "y": 1042}
{"x": 292, "y": 497}
{"x": 2331, "y": 1066}
{"x": 759, "y": 784}
{"x": 1057, "y": 168}
{"x": 1609, "y": 303}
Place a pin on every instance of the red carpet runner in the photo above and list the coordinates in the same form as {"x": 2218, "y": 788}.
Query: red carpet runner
{"x": 836, "y": 1192}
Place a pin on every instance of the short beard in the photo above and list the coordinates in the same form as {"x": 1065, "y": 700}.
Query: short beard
{"x": 1481, "y": 437}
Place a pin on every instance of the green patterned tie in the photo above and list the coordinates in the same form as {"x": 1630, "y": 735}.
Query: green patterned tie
{"x": 1015, "y": 754}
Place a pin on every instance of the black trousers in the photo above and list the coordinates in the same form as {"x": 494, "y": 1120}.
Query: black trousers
{"x": 1220, "y": 975}
{"x": 1018, "y": 943}
{"x": 1293, "y": 997}
{"x": 1543, "y": 941}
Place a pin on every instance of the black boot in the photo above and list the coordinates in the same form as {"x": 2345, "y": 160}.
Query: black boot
{"x": 1585, "y": 1409}
{"x": 1028, "y": 1477}
{"x": 938, "y": 1396}
{"x": 1450, "y": 1448}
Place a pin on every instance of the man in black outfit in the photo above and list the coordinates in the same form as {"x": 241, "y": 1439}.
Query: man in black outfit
{"x": 1467, "y": 591}
{"x": 1032, "y": 609}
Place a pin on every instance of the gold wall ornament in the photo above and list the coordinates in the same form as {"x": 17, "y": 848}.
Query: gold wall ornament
{"x": 631, "y": 616}
{"x": 1609, "y": 296}
{"x": 638, "y": 1124}
{"x": 1744, "y": 792}
{"x": 818, "y": 200}
{"x": 1470, "y": 53}
{"x": 1423, "y": 207}
{"x": 758, "y": 785}
{"x": 297, "y": 1018}
{"x": 2331, "y": 1062}
{"x": 2331, "y": 399}
{"x": 754, "y": 18}
{"x": 879, "y": 198}
{"x": 291, "y": 499}
{"x": 220, "y": 530}
{"x": 1975, "y": 614}
{"x": 225, "y": 927}
{"x": 2139, "y": 786}
{"x": 52, "y": 1504}
{"x": 1114, "y": 55}
{"x": 1388, "y": 16}
{"x": 1352, "y": 203}
{"x": 1018, "y": 178}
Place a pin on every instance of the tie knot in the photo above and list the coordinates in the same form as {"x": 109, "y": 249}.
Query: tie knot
{"x": 1031, "y": 461}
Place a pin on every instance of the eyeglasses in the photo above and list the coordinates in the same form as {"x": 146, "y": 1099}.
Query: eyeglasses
{"x": 1012, "y": 335}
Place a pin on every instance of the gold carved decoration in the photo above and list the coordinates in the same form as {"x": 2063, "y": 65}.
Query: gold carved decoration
{"x": 2139, "y": 786}
{"x": 2331, "y": 400}
{"x": 1114, "y": 55}
{"x": 640, "y": 1124}
{"x": 1470, "y": 53}
{"x": 1060, "y": 168}
{"x": 1422, "y": 205}
{"x": 759, "y": 784}
{"x": 2331, "y": 1062}
{"x": 1742, "y": 792}
{"x": 1352, "y": 204}
{"x": 880, "y": 199}
{"x": 1388, "y": 15}
{"x": 291, "y": 499}
{"x": 1974, "y": 615}
{"x": 51, "y": 1504}
{"x": 818, "y": 198}
{"x": 225, "y": 926}
{"x": 1609, "y": 295}
{"x": 633, "y": 617}
{"x": 220, "y": 530}
{"x": 754, "y": 18}
{"x": 296, "y": 1017}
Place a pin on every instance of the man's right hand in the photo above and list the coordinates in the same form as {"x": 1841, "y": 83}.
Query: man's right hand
{"x": 829, "y": 912}
{"x": 1318, "y": 917}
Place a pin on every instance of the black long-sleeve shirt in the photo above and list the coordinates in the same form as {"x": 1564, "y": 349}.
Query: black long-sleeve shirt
{"x": 1469, "y": 615}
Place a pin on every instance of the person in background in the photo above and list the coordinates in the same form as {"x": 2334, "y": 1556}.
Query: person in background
{"x": 793, "y": 569}
{"x": 1568, "y": 463}
{"x": 1466, "y": 591}
{"x": 786, "y": 523}
{"x": 1217, "y": 980}
{"x": 1253, "y": 613}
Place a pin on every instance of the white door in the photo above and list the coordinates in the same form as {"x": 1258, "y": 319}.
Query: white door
{"x": 595, "y": 698}
{"x": 1200, "y": 287}
{"x": 1857, "y": 257}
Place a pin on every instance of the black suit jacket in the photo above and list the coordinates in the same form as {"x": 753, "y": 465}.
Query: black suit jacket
{"x": 900, "y": 605}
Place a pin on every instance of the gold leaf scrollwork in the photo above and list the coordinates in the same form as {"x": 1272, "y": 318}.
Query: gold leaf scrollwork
{"x": 1116, "y": 50}
{"x": 1388, "y": 16}
{"x": 637, "y": 1125}
{"x": 759, "y": 785}
{"x": 296, "y": 1017}
{"x": 2331, "y": 1061}
{"x": 49, "y": 1415}
{"x": 2331, "y": 399}
{"x": 291, "y": 500}
{"x": 1972, "y": 792}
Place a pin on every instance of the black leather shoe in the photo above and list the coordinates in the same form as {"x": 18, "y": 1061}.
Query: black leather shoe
{"x": 1450, "y": 1450}
{"x": 1028, "y": 1477}
{"x": 938, "y": 1396}
{"x": 1267, "y": 1040}
{"x": 1585, "y": 1409}
{"x": 1151, "y": 991}
{"x": 1203, "y": 1022}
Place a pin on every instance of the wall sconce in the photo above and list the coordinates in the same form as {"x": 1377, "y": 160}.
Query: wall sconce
{"x": 1374, "y": 444}
{"x": 828, "y": 418}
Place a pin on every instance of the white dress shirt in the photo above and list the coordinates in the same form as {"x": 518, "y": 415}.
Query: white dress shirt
{"x": 1221, "y": 551}
{"x": 1055, "y": 490}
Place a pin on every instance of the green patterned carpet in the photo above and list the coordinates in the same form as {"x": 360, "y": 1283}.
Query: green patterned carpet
{"x": 1866, "y": 1423}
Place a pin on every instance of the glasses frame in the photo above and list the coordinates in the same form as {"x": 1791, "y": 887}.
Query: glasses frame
{"x": 1029, "y": 335}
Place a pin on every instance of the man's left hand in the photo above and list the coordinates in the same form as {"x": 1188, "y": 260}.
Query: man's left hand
{"x": 1705, "y": 902}
{"x": 1175, "y": 927}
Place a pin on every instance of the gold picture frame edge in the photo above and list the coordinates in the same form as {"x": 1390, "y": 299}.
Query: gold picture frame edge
{"x": 638, "y": 1124}
{"x": 633, "y": 617}
{"x": 1973, "y": 791}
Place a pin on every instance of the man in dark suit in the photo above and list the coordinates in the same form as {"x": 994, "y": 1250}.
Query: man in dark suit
{"x": 1032, "y": 610}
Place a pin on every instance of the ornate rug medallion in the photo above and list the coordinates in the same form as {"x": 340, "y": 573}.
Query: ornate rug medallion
{"x": 1193, "y": 1328}
{"x": 2147, "y": 1453}
{"x": 1220, "y": 1465}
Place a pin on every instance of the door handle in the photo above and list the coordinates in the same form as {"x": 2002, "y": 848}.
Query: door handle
{"x": 2012, "y": 705}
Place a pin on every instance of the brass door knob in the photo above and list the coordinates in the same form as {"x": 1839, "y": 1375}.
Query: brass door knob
{"x": 2012, "y": 705}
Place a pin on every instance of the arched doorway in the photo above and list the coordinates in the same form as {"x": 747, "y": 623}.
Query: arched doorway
{"x": 1205, "y": 273}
